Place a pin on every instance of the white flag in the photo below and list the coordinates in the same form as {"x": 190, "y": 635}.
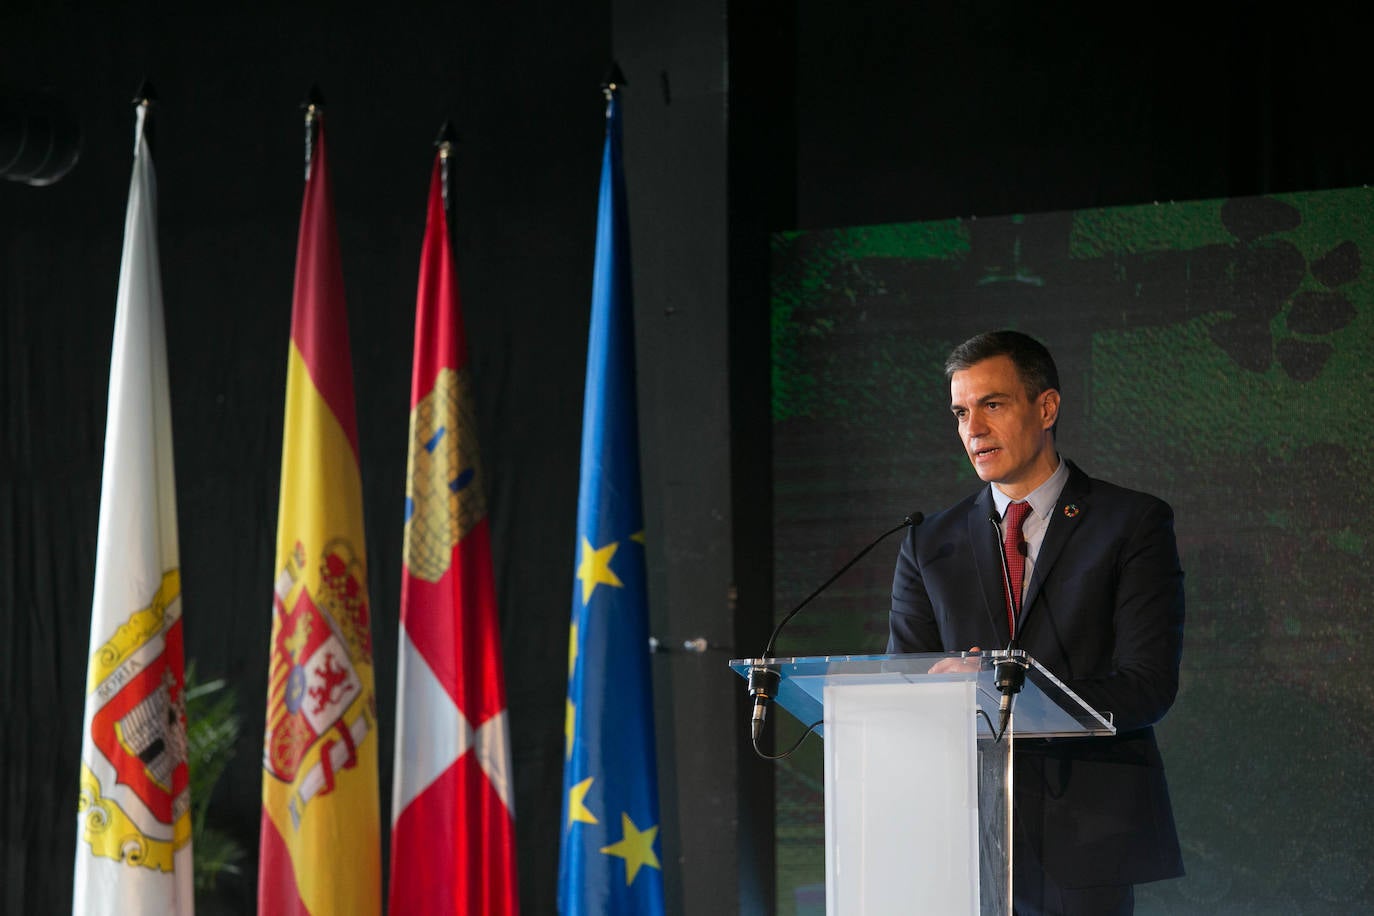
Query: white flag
{"x": 133, "y": 846}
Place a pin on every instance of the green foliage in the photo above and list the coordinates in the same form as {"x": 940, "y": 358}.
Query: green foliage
{"x": 212, "y": 730}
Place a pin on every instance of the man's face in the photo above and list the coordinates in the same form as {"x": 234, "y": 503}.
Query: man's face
{"x": 1005, "y": 431}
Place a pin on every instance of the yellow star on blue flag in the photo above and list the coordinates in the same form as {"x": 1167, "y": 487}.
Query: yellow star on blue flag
{"x": 636, "y": 848}
{"x": 595, "y": 568}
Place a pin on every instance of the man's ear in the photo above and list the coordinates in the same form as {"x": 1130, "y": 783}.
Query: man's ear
{"x": 1049, "y": 408}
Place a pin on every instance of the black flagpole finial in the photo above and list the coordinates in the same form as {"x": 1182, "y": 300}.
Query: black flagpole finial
{"x": 314, "y": 99}
{"x": 312, "y": 105}
{"x": 143, "y": 101}
{"x": 447, "y": 138}
{"x": 146, "y": 94}
{"x": 613, "y": 80}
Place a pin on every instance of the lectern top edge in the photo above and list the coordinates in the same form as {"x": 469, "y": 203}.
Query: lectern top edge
{"x": 1045, "y": 708}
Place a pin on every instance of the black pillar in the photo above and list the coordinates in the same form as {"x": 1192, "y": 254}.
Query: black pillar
{"x": 708, "y": 161}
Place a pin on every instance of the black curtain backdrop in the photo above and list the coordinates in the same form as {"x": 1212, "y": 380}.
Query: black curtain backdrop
{"x": 522, "y": 91}
{"x": 850, "y": 114}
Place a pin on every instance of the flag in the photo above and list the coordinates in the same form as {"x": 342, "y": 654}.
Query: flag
{"x": 319, "y": 850}
{"x": 609, "y": 860}
{"x": 133, "y": 846}
{"x": 452, "y": 832}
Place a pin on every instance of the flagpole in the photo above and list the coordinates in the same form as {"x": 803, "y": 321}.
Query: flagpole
{"x": 143, "y": 101}
{"x": 445, "y": 142}
{"x": 611, "y": 84}
{"x": 313, "y": 106}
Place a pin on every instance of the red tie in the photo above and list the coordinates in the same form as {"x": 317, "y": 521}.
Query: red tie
{"x": 1016, "y": 558}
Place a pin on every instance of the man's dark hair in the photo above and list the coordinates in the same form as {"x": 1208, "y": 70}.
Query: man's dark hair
{"x": 1033, "y": 362}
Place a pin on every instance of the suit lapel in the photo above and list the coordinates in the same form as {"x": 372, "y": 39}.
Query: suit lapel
{"x": 1062, "y": 525}
{"x": 982, "y": 537}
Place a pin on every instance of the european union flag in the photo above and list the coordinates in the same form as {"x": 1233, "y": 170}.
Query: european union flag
{"x": 609, "y": 861}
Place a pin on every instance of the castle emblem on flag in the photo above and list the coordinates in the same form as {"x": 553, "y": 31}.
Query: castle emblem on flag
{"x": 135, "y": 801}
{"x": 318, "y": 642}
{"x": 442, "y": 504}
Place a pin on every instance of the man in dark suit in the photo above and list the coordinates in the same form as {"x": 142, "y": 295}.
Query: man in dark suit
{"x": 1100, "y": 606}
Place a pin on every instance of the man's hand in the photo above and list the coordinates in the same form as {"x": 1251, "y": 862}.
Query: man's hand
{"x": 948, "y": 665}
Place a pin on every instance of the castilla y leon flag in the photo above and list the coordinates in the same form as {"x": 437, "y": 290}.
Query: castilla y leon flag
{"x": 609, "y": 861}
{"x": 133, "y": 845}
{"x": 320, "y": 840}
{"x": 453, "y": 845}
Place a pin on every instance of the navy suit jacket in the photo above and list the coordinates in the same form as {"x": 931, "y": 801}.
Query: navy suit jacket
{"x": 1104, "y": 612}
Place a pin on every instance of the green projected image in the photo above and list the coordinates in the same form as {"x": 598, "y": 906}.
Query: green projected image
{"x": 1219, "y": 354}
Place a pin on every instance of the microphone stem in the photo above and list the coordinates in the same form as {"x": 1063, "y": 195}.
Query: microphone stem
{"x": 768, "y": 650}
{"x": 763, "y": 680}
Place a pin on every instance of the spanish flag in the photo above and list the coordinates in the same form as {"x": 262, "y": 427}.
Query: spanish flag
{"x": 320, "y": 842}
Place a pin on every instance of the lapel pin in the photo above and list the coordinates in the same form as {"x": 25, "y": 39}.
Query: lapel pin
{"x": 1070, "y": 510}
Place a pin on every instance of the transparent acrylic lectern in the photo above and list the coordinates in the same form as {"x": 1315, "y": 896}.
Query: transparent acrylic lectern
{"x": 917, "y": 789}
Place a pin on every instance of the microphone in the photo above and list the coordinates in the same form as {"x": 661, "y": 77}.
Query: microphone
{"x": 1011, "y": 677}
{"x": 1011, "y": 672}
{"x": 763, "y": 686}
{"x": 763, "y": 680}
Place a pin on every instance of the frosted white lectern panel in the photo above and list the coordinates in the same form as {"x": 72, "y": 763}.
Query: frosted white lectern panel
{"x": 917, "y": 789}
